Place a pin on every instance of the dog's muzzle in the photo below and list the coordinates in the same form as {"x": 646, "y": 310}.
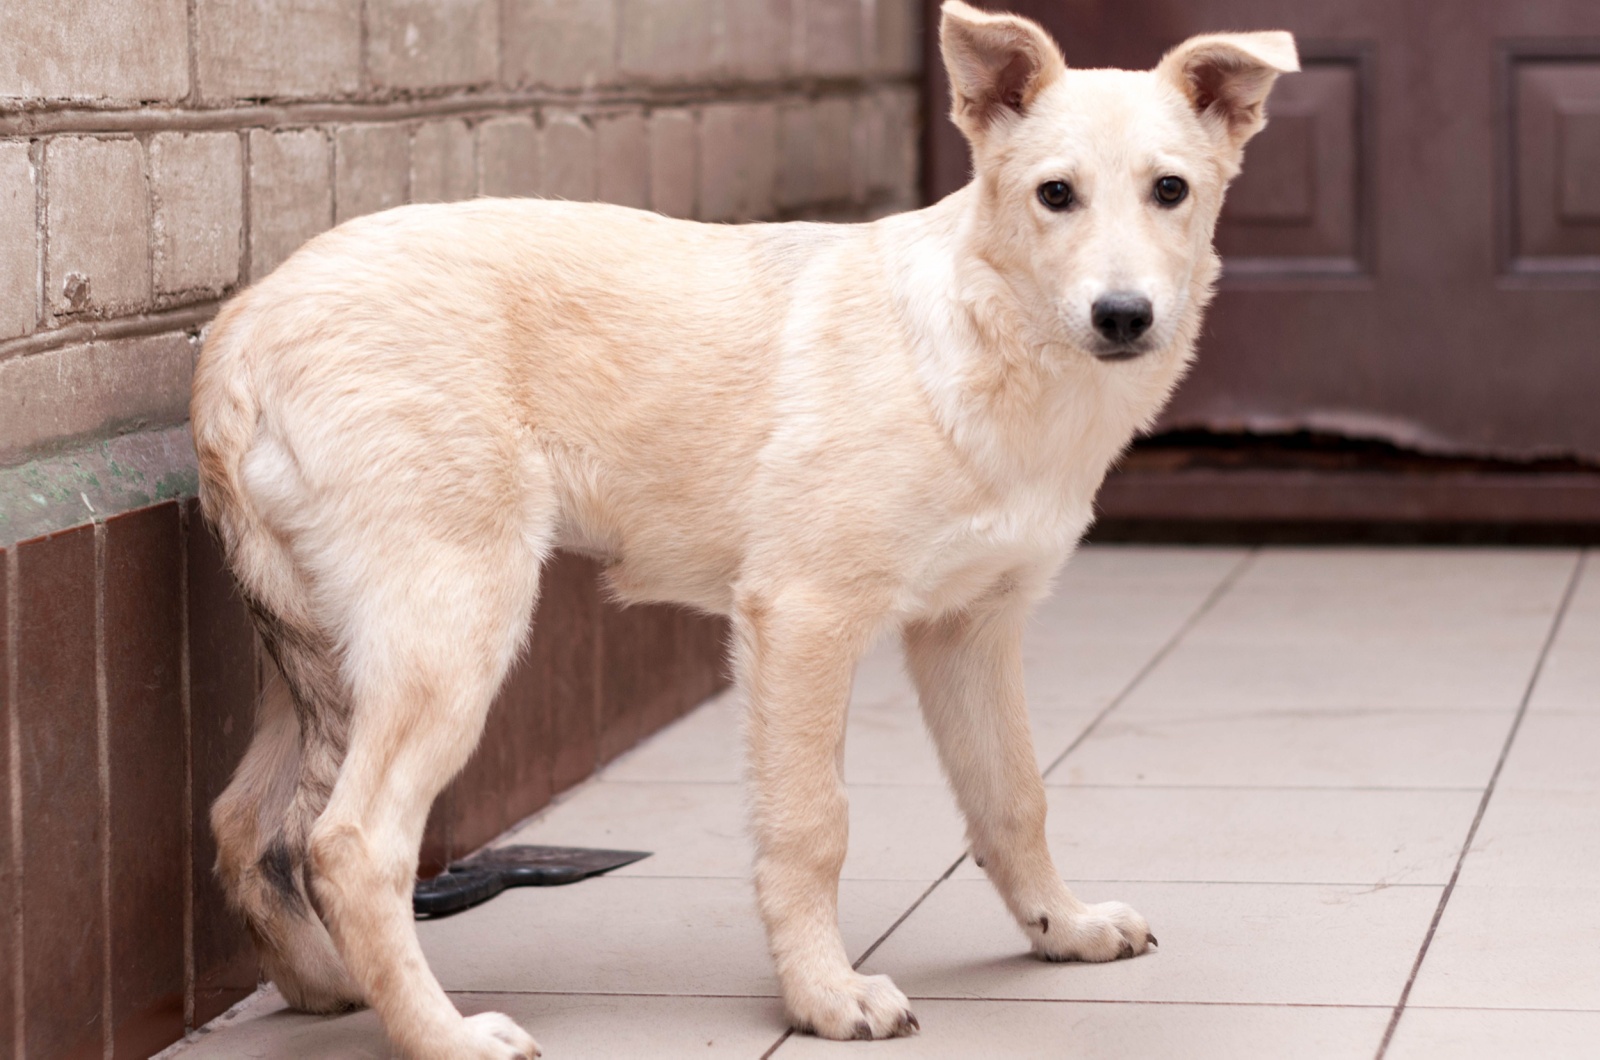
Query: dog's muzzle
{"x": 1122, "y": 319}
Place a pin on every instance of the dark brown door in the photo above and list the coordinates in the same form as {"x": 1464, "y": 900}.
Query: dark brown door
{"x": 1413, "y": 251}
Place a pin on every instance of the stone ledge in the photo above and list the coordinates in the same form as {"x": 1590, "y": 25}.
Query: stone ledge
{"x": 96, "y": 482}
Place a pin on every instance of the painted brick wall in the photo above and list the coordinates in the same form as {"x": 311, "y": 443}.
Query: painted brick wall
{"x": 157, "y": 155}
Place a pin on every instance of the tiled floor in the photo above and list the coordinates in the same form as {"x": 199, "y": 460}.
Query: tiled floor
{"x": 1278, "y": 756}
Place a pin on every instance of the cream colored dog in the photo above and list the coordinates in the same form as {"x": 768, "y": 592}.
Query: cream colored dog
{"x": 824, "y": 432}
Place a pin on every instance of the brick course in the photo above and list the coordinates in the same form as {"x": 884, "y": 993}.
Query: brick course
{"x": 97, "y": 225}
{"x": 197, "y": 200}
{"x": 419, "y": 44}
{"x": 673, "y": 147}
{"x": 291, "y": 193}
{"x": 372, "y": 169}
{"x": 250, "y": 49}
{"x": 92, "y": 389}
{"x": 508, "y": 156}
{"x": 560, "y": 43}
{"x": 444, "y": 162}
{"x": 19, "y": 252}
{"x": 622, "y": 160}
{"x": 114, "y": 49}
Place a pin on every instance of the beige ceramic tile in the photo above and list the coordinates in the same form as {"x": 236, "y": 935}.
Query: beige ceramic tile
{"x": 1420, "y": 596}
{"x": 1334, "y": 748}
{"x": 1570, "y": 680}
{"x": 1081, "y": 674}
{"x": 635, "y": 936}
{"x": 969, "y": 1030}
{"x": 1221, "y": 943}
{"x": 1533, "y": 947}
{"x": 1165, "y": 566}
{"x": 1460, "y": 1034}
{"x": 1554, "y": 752}
{"x": 1256, "y": 835}
{"x": 704, "y": 745}
{"x": 896, "y": 831}
{"x": 568, "y": 1027}
{"x": 1469, "y": 569}
{"x": 1536, "y": 839}
{"x": 1333, "y": 674}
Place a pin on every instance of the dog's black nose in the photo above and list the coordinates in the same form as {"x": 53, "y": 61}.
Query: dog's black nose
{"x": 1122, "y": 317}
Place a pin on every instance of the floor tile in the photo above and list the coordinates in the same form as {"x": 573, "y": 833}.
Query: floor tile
{"x": 1348, "y": 748}
{"x": 1554, "y": 752}
{"x": 1570, "y": 679}
{"x": 567, "y": 1026}
{"x": 1222, "y": 943}
{"x": 1460, "y": 1034}
{"x": 972, "y": 1030}
{"x": 1256, "y": 835}
{"x": 1319, "y": 675}
{"x": 1502, "y": 596}
{"x": 1167, "y": 566}
{"x": 698, "y": 830}
{"x": 1535, "y": 947}
{"x": 1536, "y": 838}
{"x": 635, "y": 936}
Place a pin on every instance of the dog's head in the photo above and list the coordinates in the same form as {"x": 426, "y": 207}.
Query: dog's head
{"x": 1098, "y": 190}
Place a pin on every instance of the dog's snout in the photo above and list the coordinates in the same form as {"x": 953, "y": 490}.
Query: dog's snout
{"x": 1123, "y": 317}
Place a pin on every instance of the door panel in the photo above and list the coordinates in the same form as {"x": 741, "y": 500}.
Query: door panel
{"x": 1413, "y": 252}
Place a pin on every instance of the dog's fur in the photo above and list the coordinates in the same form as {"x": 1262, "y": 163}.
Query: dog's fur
{"x": 825, "y": 432}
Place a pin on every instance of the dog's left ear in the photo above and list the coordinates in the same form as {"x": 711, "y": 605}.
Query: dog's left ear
{"x": 1226, "y": 77}
{"x": 998, "y": 65}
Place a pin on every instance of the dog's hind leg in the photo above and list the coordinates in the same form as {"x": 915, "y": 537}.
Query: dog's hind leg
{"x": 968, "y": 672}
{"x": 795, "y": 655}
{"x": 434, "y": 625}
{"x": 262, "y": 822}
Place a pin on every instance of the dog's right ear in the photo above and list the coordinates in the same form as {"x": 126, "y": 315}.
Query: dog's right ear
{"x": 998, "y": 64}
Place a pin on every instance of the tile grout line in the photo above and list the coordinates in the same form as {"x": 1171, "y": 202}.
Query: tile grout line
{"x": 1220, "y": 590}
{"x": 1483, "y": 803}
{"x": 1216, "y": 593}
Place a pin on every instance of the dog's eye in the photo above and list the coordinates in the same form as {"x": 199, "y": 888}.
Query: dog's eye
{"x": 1170, "y": 191}
{"x": 1056, "y": 194}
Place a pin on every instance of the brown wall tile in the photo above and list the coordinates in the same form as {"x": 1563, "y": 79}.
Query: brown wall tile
{"x": 143, "y": 659}
{"x": 509, "y": 776}
{"x": 565, "y": 652}
{"x": 704, "y": 670}
{"x": 8, "y": 867}
{"x": 63, "y": 925}
{"x": 222, "y": 691}
{"x": 638, "y": 673}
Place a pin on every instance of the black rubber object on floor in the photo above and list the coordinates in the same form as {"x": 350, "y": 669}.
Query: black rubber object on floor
{"x": 473, "y": 881}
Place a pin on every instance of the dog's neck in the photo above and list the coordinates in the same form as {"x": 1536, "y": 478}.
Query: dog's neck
{"x": 1011, "y": 393}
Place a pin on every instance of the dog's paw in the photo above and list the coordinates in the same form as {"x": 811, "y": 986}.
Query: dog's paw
{"x": 856, "y": 1007}
{"x": 1109, "y": 931}
{"x": 496, "y": 1036}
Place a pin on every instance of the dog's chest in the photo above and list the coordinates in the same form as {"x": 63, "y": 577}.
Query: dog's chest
{"x": 1027, "y": 535}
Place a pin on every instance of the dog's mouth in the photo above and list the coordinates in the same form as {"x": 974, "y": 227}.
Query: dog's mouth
{"x": 1112, "y": 354}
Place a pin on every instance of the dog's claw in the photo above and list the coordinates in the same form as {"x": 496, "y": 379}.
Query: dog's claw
{"x": 1152, "y": 940}
{"x": 910, "y": 1024}
{"x": 1126, "y": 951}
{"x": 863, "y": 1031}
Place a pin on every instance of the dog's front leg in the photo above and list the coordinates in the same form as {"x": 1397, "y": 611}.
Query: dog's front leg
{"x": 796, "y": 655}
{"x": 968, "y": 672}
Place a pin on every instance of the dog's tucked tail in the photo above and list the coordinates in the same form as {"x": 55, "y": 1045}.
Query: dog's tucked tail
{"x": 263, "y": 820}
